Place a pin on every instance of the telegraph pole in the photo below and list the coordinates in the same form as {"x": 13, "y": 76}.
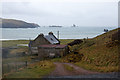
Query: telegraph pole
{"x": 58, "y": 34}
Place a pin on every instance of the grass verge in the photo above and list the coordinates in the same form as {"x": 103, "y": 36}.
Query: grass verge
{"x": 97, "y": 68}
{"x": 69, "y": 68}
{"x": 36, "y": 70}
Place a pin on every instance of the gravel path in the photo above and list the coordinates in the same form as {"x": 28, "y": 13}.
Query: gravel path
{"x": 60, "y": 70}
{"x": 78, "y": 72}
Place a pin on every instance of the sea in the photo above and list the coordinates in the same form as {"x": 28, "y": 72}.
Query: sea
{"x": 64, "y": 32}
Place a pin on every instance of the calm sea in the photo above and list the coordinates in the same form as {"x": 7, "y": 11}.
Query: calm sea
{"x": 64, "y": 32}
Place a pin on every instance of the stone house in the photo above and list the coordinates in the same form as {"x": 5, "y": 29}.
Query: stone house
{"x": 42, "y": 40}
{"x": 51, "y": 51}
{"x": 47, "y": 46}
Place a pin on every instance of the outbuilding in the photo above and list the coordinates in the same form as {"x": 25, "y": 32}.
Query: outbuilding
{"x": 51, "y": 51}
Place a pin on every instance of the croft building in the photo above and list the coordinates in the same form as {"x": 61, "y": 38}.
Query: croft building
{"x": 46, "y": 46}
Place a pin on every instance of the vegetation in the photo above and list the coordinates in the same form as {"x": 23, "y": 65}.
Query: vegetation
{"x": 36, "y": 70}
{"x": 56, "y": 60}
{"x": 69, "y": 68}
{"x": 11, "y": 43}
{"x": 17, "y": 59}
{"x": 97, "y": 54}
{"x": 13, "y": 70}
{"x": 72, "y": 57}
{"x": 93, "y": 67}
{"x": 66, "y": 41}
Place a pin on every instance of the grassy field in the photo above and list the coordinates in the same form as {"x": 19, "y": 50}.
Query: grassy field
{"x": 17, "y": 59}
{"x": 36, "y": 70}
{"x": 11, "y": 43}
{"x": 31, "y": 72}
{"x": 15, "y": 51}
{"x": 66, "y": 41}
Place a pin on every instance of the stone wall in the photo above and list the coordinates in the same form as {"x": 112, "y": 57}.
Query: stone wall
{"x": 40, "y": 40}
{"x": 52, "y": 52}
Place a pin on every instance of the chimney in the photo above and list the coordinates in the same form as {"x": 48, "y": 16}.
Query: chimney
{"x": 50, "y": 33}
{"x": 41, "y": 34}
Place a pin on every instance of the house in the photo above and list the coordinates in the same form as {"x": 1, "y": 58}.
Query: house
{"x": 47, "y": 46}
{"x": 51, "y": 51}
{"x": 42, "y": 40}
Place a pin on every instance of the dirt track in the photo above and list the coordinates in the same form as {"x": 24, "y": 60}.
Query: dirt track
{"x": 61, "y": 71}
{"x": 78, "y": 73}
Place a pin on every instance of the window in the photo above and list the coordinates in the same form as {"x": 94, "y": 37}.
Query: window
{"x": 51, "y": 39}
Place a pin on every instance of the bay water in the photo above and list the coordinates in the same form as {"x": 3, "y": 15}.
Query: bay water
{"x": 64, "y": 32}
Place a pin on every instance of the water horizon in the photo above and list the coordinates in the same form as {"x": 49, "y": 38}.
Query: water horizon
{"x": 64, "y": 32}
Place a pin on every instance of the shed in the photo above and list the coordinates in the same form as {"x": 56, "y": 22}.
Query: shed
{"x": 51, "y": 51}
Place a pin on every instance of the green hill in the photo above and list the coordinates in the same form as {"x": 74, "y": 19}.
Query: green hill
{"x": 99, "y": 53}
{"x": 12, "y": 23}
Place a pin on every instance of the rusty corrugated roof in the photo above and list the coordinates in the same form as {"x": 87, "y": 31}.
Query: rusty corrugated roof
{"x": 53, "y": 46}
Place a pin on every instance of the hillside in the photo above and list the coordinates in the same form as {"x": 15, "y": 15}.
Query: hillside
{"x": 99, "y": 53}
{"x": 12, "y": 23}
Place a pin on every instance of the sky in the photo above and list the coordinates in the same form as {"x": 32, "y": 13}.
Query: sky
{"x": 63, "y": 12}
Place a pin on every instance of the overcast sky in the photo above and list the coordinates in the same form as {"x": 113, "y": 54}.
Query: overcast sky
{"x": 63, "y": 12}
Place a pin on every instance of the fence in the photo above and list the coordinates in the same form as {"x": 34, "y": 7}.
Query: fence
{"x": 14, "y": 66}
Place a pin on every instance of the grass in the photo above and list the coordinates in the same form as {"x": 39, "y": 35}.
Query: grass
{"x": 36, "y": 70}
{"x": 100, "y": 58}
{"x": 18, "y": 50}
{"x": 69, "y": 68}
{"x": 96, "y": 55}
{"x": 14, "y": 63}
{"x": 17, "y": 59}
{"x": 11, "y": 43}
{"x": 13, "y": 52}
{"x": 66, "y": 41}
{"x": 56, "y": 60}
{"x": 93, "y": 67}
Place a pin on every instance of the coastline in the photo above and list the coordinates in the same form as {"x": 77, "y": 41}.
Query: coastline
{"x": 27, "y": 39}
{"x": 64, "y": 32}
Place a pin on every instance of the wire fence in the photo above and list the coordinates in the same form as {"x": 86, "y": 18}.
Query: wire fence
{"x": 14, "y": 66}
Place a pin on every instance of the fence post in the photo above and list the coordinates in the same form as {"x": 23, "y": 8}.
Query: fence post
{"x": 16, "y": 66}
{"x": 8, "y": 67}
{"x": 26, "y": 63}
{"x": 2, "y": 70}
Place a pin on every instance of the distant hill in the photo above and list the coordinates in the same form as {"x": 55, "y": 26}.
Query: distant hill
{"x": 12, "y": 23}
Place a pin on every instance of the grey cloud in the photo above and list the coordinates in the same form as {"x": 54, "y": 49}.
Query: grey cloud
{"x": 84, "y": 14}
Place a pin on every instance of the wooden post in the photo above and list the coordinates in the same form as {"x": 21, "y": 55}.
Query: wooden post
{"x": 16, "y": 66}
{"x": 8, "y": 69}
{"x": 25, "y": 63}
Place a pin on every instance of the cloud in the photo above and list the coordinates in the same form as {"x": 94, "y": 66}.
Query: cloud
{"x": 63, "y": 13}
{"x": 59, "y": 0}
